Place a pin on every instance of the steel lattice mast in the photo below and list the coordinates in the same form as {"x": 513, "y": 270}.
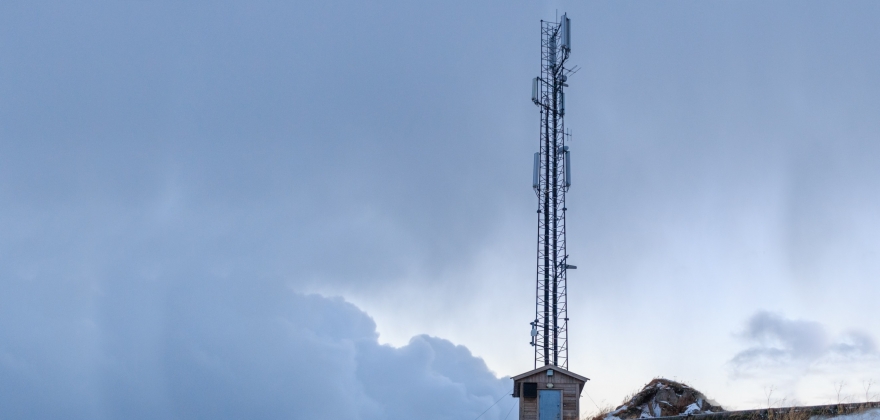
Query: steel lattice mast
{"x": 551, "y": 180}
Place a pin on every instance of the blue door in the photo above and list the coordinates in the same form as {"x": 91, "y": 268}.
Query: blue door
{"x": 549, "y": 404}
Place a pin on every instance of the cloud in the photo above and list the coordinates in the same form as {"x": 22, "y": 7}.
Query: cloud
{"x": 777, "y": 339}
{"x": 779, "y": 343}
{"x": 216, "y": 356}
{"x": 855, "y": 343}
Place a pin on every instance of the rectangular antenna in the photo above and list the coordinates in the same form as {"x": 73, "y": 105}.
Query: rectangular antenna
{"x": 535, "y": 90}
{"x": 562, "y": 103}
{"x": 566, "y": 32}
{"x": 535, "y": 170}
{"x": 567, "y": 167}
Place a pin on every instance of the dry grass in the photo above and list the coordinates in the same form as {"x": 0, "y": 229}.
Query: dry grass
{"x": 600, "y": 414}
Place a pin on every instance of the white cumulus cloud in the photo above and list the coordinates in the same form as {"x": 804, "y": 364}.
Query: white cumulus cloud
{"x": 292, "y": 356}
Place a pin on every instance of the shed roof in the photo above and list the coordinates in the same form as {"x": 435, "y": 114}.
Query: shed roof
{"x": 555, "y": 369}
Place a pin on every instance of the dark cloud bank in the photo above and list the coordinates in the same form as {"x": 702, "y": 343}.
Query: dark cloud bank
{"x": 292, "y": 356}
{"x": 169, "y": 172}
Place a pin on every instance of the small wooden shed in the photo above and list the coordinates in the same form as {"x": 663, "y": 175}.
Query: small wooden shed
{"x": 549, "y": 393}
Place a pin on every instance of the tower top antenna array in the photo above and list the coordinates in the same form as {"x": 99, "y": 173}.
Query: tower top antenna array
{"x": 551, "y": 179}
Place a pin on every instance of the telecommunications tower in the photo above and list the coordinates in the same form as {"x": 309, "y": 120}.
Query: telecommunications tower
{"x": 551, "y": 178}
{"x": 550, "y": 390}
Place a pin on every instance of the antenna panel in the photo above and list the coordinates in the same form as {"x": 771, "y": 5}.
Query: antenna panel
{"x": 566, "y": 32}
{"x": 535, "y": 90}
{"x": 535, "y": 171}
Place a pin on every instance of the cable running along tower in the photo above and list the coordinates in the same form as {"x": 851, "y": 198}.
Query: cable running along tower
{"x": 551, "y": 179}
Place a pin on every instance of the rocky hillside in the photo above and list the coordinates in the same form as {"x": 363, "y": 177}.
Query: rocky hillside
{"x": 661, "y": 398}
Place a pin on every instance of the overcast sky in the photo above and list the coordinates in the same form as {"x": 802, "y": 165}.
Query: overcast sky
{"x": 323, "y": 210}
